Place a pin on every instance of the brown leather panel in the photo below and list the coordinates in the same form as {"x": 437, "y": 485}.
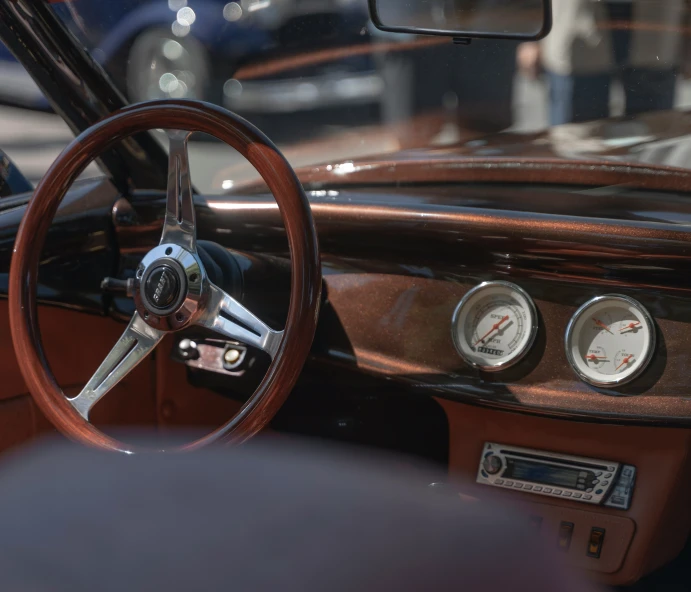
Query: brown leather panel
{"x": 181, "y": 405}
{"x": 75, "y": 345}
{"x": 400, "y": 326}
{"x": 132, "y": 402}
{"x": 660, "y": 502}
{"x": 619, "y": 532}
{"x": 16, "y": 422}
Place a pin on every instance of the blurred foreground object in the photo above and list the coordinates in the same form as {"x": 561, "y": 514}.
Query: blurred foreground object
{"x": 255, "y": 518}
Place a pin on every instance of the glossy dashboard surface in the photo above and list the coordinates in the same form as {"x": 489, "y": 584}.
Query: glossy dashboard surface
{"x": 397, "y": 262}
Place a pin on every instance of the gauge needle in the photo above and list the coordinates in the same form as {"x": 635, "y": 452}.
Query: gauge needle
{"x": 595, "y": 358}
{"x": 599, "y": 323}
{"x": 626, "y": 360}
{"x": 492, "y": 330}
{"x": 630, "y": 326}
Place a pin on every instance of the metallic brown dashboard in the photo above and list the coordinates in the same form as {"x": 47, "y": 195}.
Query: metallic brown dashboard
{"x": 397, "y": 262}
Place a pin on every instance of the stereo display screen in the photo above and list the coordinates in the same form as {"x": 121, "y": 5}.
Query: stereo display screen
{"x": 525, "y": 470}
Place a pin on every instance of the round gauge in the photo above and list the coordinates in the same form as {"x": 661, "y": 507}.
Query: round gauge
{"x": 494, "y": 325}
{"x": 610, "y": 340}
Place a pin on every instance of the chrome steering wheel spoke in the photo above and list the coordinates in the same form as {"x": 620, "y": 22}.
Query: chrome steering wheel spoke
{"x": 172, "y": 291}
{"x": 134, "y": 345}
{"x": 227, "y": 316}
{"x": 179, "y": 225}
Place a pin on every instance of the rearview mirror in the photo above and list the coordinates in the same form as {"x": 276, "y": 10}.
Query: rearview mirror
{"x": 507, "y": 19}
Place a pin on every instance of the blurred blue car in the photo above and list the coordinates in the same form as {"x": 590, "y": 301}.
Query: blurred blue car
{"x": 193, "y": 48}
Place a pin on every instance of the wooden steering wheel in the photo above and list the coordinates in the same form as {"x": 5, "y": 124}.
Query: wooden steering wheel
{"x": 172, "y": 290}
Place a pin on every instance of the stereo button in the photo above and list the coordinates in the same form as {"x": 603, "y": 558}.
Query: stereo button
{"x": 586, "y": 496}
{"x": 577, "y": 495}
{"x": 537, "y": 488}
{"x": 528, "y": 487}
{"x": 518, "y": 485}
{"x": 509, "y": 483}
{"x": 492, "y": 464}
{"x": 557, "y": 492}
{"x": 548, "y": 490}
{"x": 499, "y": 482}
{"x": 567, "y": 494}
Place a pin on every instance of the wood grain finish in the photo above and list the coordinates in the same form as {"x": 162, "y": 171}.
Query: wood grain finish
{"x": 659, "y": 508}
{"x": 297, "y": 218}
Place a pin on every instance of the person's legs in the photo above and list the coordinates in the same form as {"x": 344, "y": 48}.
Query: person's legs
{"x": 648, "y": 90}
{"x": 578, "y": 98}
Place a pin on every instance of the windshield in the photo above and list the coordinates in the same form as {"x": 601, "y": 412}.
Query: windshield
{"x": 610, "y": 80}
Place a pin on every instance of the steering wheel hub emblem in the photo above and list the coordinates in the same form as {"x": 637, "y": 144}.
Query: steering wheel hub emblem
{"x": 169, "y": 287}
{"x": 162, "y": 287}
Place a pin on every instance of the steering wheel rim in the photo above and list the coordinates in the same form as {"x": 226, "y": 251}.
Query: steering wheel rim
{"x": 289, "y": 349}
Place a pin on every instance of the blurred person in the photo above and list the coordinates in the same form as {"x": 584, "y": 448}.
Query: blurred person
{"x": 593, "y": 43}
{"x": 435, "y": 82}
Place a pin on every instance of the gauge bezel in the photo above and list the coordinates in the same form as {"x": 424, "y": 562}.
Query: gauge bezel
{"x": 647, "y": 317}
{"x": 533, "y": 326}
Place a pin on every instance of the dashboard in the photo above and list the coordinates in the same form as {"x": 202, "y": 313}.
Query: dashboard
{"x": 418, "y": 283}
{"x": 595, "y": 283}
{"x": 398, "y": 266}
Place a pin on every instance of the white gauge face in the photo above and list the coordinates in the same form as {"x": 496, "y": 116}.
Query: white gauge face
{"x": 610, "y": 340}
{"x": 494, "y": 325}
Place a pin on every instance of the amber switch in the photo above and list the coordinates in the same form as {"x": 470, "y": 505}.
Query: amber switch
{"x": 565, "y": 534}
{"x": 597, "y": 536}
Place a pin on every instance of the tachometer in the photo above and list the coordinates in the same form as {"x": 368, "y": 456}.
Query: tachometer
{"x": 494, "y": 325}
{"x": 610, "y": 340}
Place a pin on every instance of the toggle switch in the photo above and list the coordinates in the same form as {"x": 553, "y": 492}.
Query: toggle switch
{"x": 536, "y": 523}
{"x": 565, "y": 534}
{"x": 597, "y": 536}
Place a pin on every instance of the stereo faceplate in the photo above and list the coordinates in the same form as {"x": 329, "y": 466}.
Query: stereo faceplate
{"x": 576, "y": 478}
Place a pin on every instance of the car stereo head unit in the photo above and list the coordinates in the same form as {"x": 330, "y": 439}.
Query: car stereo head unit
{"x": 581, "y": 479}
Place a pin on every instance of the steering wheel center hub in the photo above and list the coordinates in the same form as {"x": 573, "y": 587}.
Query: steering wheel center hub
{"x": 169, "y": 287}
{"x": 162, "y": 287}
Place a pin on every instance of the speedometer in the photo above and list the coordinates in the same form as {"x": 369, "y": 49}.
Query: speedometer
{"x": 494, "y": 325}
{"x": 610, "y": 340}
